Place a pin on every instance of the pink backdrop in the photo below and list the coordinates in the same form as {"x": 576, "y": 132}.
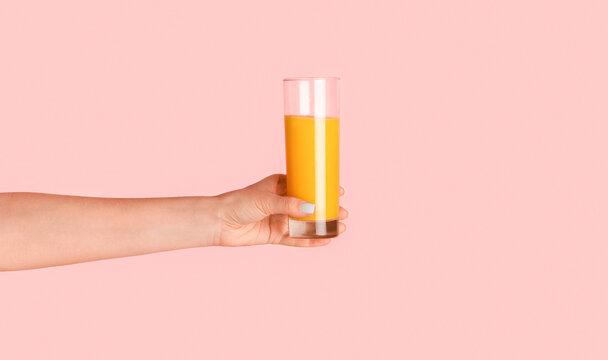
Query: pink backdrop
{"x": 474, "y": 155}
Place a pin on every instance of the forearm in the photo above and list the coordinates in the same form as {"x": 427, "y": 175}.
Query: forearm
{"x": 38, "y": 230}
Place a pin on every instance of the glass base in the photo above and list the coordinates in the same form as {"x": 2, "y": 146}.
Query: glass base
{"x": 315, "y": 229}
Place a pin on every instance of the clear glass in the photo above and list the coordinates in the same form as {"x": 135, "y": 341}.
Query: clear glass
{"x": 312, "y": 144}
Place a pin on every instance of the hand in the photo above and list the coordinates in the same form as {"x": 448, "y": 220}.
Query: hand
{"x": 258, "y": 215}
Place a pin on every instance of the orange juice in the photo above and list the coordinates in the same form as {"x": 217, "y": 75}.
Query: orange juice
{"x": 312, "y": 146}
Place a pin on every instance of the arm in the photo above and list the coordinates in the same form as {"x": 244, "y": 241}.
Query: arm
{"x": 39, "y": 230}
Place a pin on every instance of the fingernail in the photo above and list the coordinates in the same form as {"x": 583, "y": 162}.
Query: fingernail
{"x": 307, "y": 208}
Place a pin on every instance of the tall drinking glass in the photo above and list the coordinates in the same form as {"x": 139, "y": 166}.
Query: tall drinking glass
{"x": 312, "y": 132}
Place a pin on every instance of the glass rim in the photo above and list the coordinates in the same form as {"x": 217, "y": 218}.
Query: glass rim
{"x": 311, "y": 78}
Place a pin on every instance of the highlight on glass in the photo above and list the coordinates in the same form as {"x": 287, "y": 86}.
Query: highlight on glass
{"x": 312, "y": 134}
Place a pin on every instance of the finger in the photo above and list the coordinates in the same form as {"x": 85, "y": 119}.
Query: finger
{"x": 288, "y": 241}
{"x": 271, "y": 204}
{"x": 341, "y": 227}
{"x": 281, "y": 187}
{"x": 275, "y": 183}
{"x": 342, "y": 213}
{"x": 341, "y": 192}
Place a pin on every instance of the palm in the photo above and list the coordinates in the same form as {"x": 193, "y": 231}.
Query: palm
{"x": 270, "y": 230}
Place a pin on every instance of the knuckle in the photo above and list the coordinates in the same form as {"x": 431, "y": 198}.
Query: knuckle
{"x": 293, "y": 205}
{"x": 263, "y": 206}
{"x": 264, "y": 203}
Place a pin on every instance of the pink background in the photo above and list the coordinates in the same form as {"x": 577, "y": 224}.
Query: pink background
{"x": 474, "y": 155}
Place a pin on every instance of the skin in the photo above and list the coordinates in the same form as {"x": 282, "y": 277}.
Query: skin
{"x": 40, "y": 230}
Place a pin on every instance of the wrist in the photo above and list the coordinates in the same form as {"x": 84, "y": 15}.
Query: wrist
{"x": 191, "y": 221}
{"x": 208, "y": 225}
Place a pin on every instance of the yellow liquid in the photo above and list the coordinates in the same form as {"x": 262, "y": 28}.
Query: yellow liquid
{"x": 313, "y": 163}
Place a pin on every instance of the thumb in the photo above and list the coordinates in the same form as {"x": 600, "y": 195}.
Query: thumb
{"x": 276, "y": 204}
